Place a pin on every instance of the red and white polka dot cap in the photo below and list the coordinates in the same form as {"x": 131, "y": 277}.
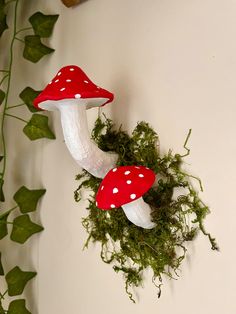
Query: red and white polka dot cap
{"x": 123, "y": 185}
{"x": 72, "y": 83}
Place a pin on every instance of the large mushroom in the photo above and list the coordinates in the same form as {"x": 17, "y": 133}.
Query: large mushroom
{"x": 124, "y": 187}
{"x": 72, "y": 92}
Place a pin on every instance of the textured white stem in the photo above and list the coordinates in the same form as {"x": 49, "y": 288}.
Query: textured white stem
{"x": 78, "y": 141}
{"x": 139, "y": 213}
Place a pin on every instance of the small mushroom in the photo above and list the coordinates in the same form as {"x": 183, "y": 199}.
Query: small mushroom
{"x": 124, "y": 187}
{"x": 72, "y": 92}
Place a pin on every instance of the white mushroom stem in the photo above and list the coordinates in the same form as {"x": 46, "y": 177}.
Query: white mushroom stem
{"x": 78, "y": 141}
{"x": 139, "y": 213}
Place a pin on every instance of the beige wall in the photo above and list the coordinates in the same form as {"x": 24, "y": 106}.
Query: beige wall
{"x": 171, "y": 63}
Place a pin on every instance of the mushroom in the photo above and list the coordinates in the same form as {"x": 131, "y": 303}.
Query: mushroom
{"x": 72, "y": 92}
{"x": 124, "y": 187}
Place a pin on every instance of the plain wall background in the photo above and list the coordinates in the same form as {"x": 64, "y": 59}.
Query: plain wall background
{"x": 170, "y": 63}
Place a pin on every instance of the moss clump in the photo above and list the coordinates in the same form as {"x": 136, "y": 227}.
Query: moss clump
{"x": 131, "y": 249}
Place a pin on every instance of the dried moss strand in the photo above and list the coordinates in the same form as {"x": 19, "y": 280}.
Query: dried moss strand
{"x": 185, "y": 144}
{"x": 214, "y": 245}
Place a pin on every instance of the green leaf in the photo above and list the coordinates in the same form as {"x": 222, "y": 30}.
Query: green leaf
{"x": 34, "y": 49}
{"x": 28, "y": 95}
{"x": 24, "y": 228}
{"x": 2, "y": 96}
{"x": 3, "y": 18}
{"x": 3, "y": 224}
{"x": 18, "y": 307}
{"x": 2, "y": 197}
{"x": 38, "y": 128}
{"x": 27, "y": 199}
{"x": 1, "y": 269}
{"x": 17, "y": 279}
{"x": 43, "y": 24}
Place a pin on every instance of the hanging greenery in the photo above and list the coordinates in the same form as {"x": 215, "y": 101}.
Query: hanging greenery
{"x": 25, "y": 200}
{"x": 131, "y": 249}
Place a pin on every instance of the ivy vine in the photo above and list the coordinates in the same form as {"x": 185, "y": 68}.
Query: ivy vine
{"x": 177, "y": 209}
{"x": 21, "y": 227}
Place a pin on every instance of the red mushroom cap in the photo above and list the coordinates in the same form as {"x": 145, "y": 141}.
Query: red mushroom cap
{"x": 72, "y": 83}
{"x": 123, "y": 185}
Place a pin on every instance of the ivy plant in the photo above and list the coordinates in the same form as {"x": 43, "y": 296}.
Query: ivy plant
{"x": 177, "y": 209}
{"x": 21, "y": 227}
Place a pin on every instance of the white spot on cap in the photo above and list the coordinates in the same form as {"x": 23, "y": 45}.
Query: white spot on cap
{"x": 63, "y": 88}
{"x": 127, "y": 172}
{"x": 85, "y": 81}
{"x": 68, "y": 80}
{"x": 132, "y": 196}
{"x": 98, "y": 87}
{"x": 72, "y": 69}
{"x": 77, "y": 95}
{"x": 137, "y": 167}
{"x": 141, "y": 175}
{"x": 59, "y": 73}
{"x": 115, "y": 190}
{"x": 50, "y": 82}
{"x": 102, "y": 187}
{"x": 114, "y": 170}
{"x": 113, "y": 206}
{"x": 57, "y": 81}
{"x": 96, "y": 203}
{"x": 128, "y": 181}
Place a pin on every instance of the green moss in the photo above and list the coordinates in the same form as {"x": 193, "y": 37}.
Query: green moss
{"x": 131, "y": 249}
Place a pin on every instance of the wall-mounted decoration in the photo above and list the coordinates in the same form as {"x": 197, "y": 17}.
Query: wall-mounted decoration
{"x": 124, "y": 187}
{"x": 140, "y": 201}
{"x": 72, "y": 93}
{"x": 176, "y": 208}
{"x": 71, "y": 3}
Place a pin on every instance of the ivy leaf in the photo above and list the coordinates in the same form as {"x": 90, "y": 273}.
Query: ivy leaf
{"x": 1, "y": 269}
{"x": 2, "y": 96}
{"x": 43, "y": 24}
{"x": 34, "y": 49}
{"x": 28, "y": 95}
{"x": 3, "y": 224}
{"x": 24, "y": 228}
{"x": 17, "y": 279}
{"x": 3, "y": 18}
{"x": 38, "y": 128}
{"x": 27, "y": 199}
{"x": 18, "y": 307}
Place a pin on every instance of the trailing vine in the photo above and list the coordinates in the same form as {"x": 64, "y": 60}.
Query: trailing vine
{"x": 174, "y": 202}
{"x": 25, "y": 200}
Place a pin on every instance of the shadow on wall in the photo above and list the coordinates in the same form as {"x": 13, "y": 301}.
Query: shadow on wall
{"x": 120, "y": 108}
